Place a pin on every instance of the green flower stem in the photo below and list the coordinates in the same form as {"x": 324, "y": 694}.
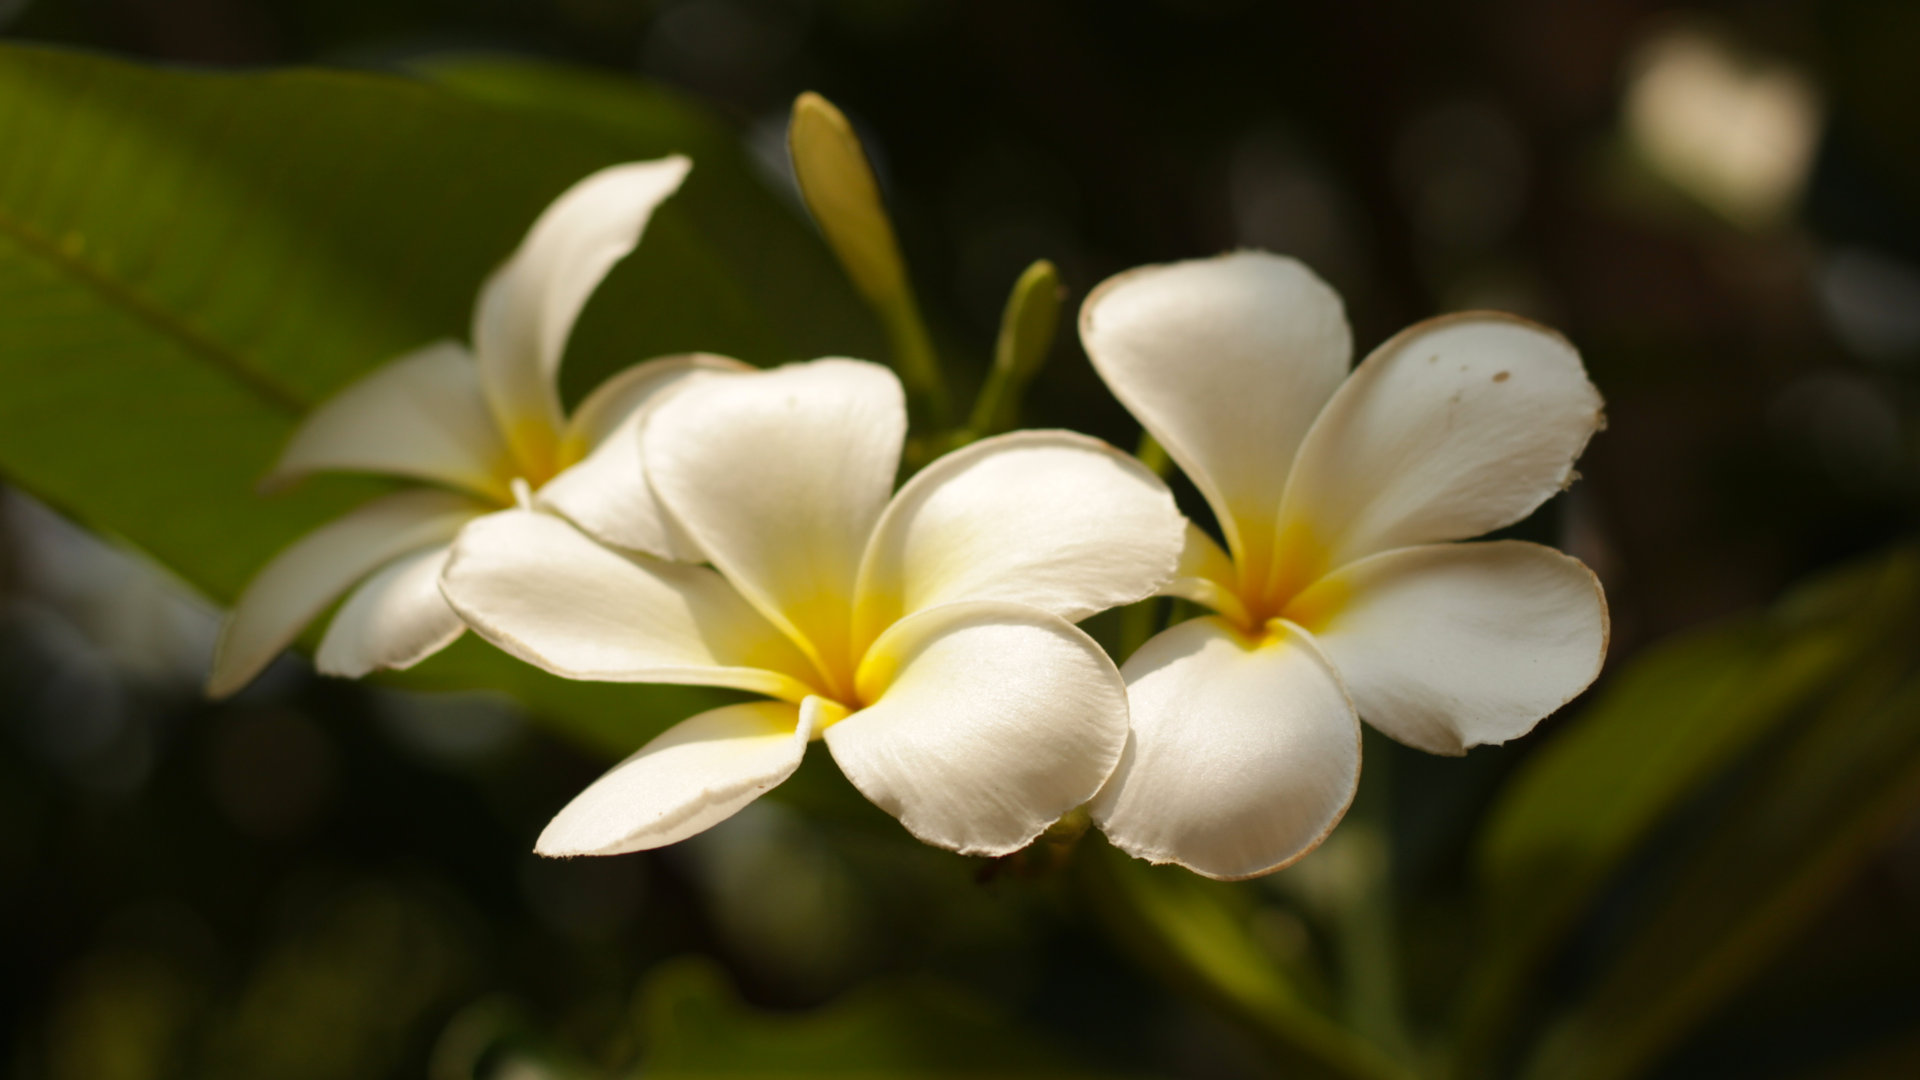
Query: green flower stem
{"x": 915, "y": 360}
{"x": 1192, "y": 933}
{"x": 1027, "y": 328}
{"x": 842, "y": 194}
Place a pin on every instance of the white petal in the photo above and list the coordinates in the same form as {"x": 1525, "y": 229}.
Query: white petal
{"x": 540, "y": 589}
{"x": 695, "y": 775}
{"x": 606, "y": 492}
{"x": 303, "y": 579}
{"x": 395, "y": 619}
{"x": 1243, "y": 756}
{"x": 528, "y": 307}
{"x": 1226, "y": 361}
{"x": 1453, "y": 428}
{"x": 1050, "y": 519}
{"x": 1450, "y": 646}
{"x": 422, "y": 416}
{"x": 986, "y": 723}
{"x": 779, "y": 476}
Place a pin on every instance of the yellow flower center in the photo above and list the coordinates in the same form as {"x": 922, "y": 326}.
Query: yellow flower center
{"x": 1285, "y": 576}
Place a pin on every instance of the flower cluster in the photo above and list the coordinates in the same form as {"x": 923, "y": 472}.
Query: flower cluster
{"x": 698, "y": 521}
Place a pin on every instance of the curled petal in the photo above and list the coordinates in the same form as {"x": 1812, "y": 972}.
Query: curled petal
{"x": 1206, "y": 576}
{"x": 1455, "y": 427}
{"x": 1243, "y": 754}
{"x": 302, "y": 580}
{"x": 527, "y": 308}
{"x": 1226, "y": 361}
{"x": 540, "y": 589}
{"x": 1049, "y": 519}
{"x": 695, "y": 775}
{"x": 779, "y": 477}
{"x": 421, "y": 416}
{"x": 395, "y": 619}
{"x": 986, "y": 722}
{"x": 605, "y": 492}
{"x": 1450, "y": 646}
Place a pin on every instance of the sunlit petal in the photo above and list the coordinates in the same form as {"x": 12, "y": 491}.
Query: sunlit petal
{"x": 1226, "y": 361}
{"x": 395, "y": 619}
{"x": 606, "y": 492}
{"x": 695, "y": 775}
{"x": 1243, "y": 755}
{"x": 1050, "y": 519}
{"x": 540, "y": 589}
{"x": 779, "y": 477}
{"x": 528, "y": 307}
{"x": 1455, "y": 427}
{"x": 302, "y": 580}
{"x": 1449, "y": 646}
{"x": 986, "y": 723}
{"x": 421, "y": 416}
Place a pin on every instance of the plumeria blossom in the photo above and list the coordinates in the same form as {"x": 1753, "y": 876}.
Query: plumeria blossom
{"x": 484, "y": 428}
{"x": 1341, "y": 594}
{"x": 926, "y": 638}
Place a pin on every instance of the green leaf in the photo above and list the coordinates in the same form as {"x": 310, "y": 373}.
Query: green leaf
{"x": 1680, "y": 716}
{"x": 1819, "y": 803}
{"x": 189, "y": 261}
{"x": 1197, "y": 934}
{"x": 697, "y": 1026}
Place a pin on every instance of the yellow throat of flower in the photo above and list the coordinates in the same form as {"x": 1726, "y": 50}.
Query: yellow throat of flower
{"x": 1286, "y": 577}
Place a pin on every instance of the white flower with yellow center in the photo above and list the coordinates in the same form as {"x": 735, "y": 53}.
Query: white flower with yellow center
{"x": 486, "y": 428}
{"x": 1340, "y": 591}
{"x": 927, "y": 639}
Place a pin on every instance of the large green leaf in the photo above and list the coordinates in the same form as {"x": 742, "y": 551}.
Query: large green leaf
{"x": 1680, "y": 716}
{"x": 190, "y": 260}
{"x": 1794, "y": 833}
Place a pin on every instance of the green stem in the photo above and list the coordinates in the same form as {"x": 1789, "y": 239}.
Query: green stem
{"x": 914, "y": 358}
{"x": 1186, "y": 929}
{"x": 1027, "y": 327}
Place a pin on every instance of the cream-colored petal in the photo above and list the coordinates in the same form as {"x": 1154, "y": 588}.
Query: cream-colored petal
{"x": 395, "y": 619}
{"x": 538, "y": 588}
{"x": 1243, "y": 756}
{"x": 1206, "y": 576}
{"x": 1453, "y": 428}
{"x": 302, "y": 580}
{"x": 1226, "y": 361}
{"x": 986, "y": 722}
{"x": 605, "y": 491}
{"x": 421, "y": 416}
{"x": 1450, "y": 646}
{"x": 779, "y": 477}
{"x": 695, "y": 775}
{"x": 1050, "y": 519}
{"x": 527, "y": 308}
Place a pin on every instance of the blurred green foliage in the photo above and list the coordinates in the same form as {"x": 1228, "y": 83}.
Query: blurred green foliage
{"x": 1706, "y": 869}
{"x": 198, "y": 259}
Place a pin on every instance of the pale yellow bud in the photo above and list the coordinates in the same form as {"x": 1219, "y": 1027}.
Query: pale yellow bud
{"x": 838, "y": 185}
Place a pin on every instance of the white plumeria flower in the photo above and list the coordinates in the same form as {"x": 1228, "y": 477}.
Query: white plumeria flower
{"x": 486, "y": 428}
{"x": 926, "y": 638}
{"x": 1343, "y": 597}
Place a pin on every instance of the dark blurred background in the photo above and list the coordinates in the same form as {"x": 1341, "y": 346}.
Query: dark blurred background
{"x": 1718, "y": 203}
